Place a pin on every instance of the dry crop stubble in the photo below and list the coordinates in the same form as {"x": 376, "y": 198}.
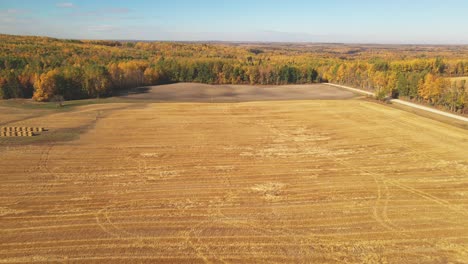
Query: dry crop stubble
{"x": 295, "y": 181}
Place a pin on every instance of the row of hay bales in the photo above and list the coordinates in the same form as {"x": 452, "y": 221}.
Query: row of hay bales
{"x": 20, "y": 131}
{"x": 17, "y": 134}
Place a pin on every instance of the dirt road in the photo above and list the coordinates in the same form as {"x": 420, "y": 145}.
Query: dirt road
{"x": 397, "y": 101}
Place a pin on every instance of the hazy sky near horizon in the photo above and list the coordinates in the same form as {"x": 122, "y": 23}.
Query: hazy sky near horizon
{"x": 358, "y": 21}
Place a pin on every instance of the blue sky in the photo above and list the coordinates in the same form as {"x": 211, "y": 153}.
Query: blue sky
{"x": 352, "y": 21}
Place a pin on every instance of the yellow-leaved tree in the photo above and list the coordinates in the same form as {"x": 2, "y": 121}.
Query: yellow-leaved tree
{"x": 45, "y": 87}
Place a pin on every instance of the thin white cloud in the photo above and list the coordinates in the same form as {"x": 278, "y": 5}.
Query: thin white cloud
{"x": 11, "y": 16}
{"x": 66, "y": 5}
{"x": 104, "y": 12}
{"x": 102, "y": 28}
{"x": 123, "y": 10}
{"x": 11, "y": 12}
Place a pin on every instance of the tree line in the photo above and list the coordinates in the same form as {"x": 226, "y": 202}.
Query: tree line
{"x": 42, "y": 68}
{"x": 425, "y": 80}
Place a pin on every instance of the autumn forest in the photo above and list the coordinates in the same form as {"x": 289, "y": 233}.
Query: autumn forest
{"x": 45, "y": 68}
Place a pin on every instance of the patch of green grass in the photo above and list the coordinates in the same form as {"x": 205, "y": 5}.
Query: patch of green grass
{"x": 45, "y": 137}
{"x": 27, "y": 104}
{"x": 67, "y": 105}
{"x": 74, "y": 103}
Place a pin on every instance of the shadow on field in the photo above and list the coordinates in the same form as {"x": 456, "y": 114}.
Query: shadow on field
{"x": 196, "y": 92}
{"x": 138, "y": 90}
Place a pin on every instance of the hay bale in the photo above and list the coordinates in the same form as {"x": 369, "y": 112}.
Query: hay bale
{"x": 30, "y": 134}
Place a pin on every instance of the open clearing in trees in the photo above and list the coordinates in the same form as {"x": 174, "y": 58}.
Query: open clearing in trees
{"x": 298, "y": 181}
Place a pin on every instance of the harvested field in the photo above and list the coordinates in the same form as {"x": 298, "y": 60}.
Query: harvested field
{"x": 198, "y": 92}
{"x": 465, "y": 78}
{"x": 335, "y": 181}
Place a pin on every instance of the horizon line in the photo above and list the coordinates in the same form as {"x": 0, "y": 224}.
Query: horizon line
{"x": 242, "y": 41}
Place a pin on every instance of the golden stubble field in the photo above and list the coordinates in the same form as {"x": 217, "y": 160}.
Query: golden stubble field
{"x": 344, "y": 181}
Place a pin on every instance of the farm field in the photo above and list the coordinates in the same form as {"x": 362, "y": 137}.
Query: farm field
{"x": 198, "y": 92}
{"x": 303, "y": 181}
